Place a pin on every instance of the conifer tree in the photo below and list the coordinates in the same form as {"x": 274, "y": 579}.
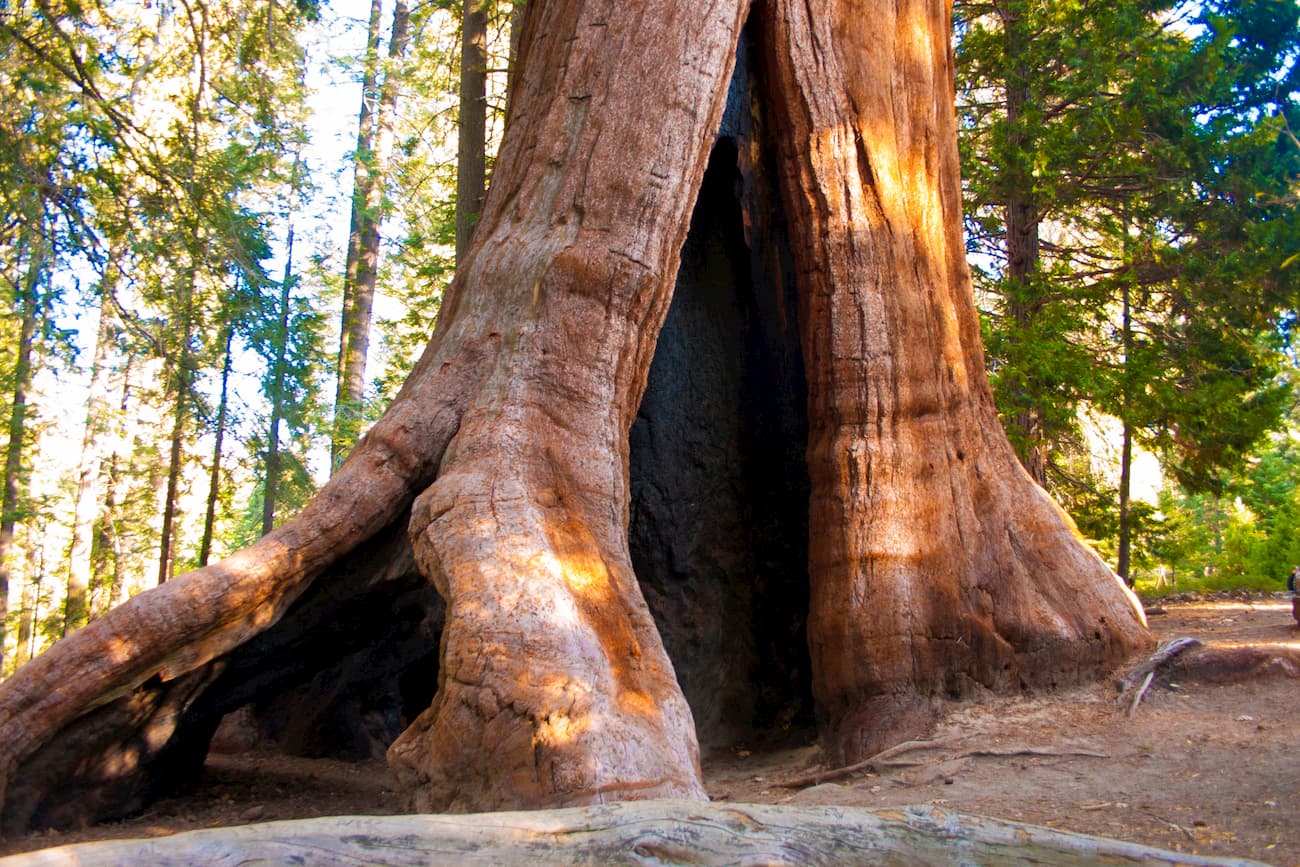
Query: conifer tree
{"x": 1126, "y": 183}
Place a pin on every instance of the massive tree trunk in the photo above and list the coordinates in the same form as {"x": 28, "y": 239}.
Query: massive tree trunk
{"x": 934, "y": 565}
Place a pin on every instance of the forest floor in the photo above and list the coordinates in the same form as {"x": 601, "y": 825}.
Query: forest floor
{"x": 1209, "y": 768}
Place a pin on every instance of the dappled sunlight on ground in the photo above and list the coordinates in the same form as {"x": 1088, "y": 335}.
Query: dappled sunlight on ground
{"x": 1231, "y": 623}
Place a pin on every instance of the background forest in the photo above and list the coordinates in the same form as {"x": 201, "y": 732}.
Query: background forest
{"x": 227, "y": 225}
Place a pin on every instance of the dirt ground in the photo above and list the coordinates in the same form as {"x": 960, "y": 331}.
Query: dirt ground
{"x": 1200, "y": 767}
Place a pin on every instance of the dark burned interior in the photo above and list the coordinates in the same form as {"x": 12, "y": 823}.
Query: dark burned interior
{"x": 719, "y": 517}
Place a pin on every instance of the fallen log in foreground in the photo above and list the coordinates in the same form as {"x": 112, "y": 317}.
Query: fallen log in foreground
{"x": 642, "y": 832}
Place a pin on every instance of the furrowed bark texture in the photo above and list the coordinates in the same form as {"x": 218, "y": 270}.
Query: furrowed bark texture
{"x": 936, "y": 565}
{"x": 554, "y": 686}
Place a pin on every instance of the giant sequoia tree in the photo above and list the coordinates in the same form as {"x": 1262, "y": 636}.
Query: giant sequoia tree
{"x": 818, "y": 381}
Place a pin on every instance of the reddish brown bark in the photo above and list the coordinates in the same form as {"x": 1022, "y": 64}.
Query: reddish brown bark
{"x": 140, "y": 660}
{"x": 936, "y": 566}
{"x": 554, "y": 686}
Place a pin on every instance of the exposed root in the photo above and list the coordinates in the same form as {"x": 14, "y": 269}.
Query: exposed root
{"x": 1142, "y": 690}
{"x": 1137, "y": 681}
{"x": 1034, "y": 751}
{"x": 1238, "y": 664}
{"x": 884, "y": 759}
{"x": 1207, "y": 664}
{"x": 879, "y": 760}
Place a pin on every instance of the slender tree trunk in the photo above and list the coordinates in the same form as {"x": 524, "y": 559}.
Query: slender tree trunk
{"x": 347, "y": 401}
{"x": 182, "y": 379}
{"x": 471, "y": 129}
{"x": 363, "y": 258}
{"x": 516, "y": 33}
{"x": 106, "y": 554}
{"x": 14, "y": 481}
{"x": 30, "y": 599}
{"x": 175, "y": 457}
{"x": 1122, "y": 567}
{"x": 271, "y": 487}
{"x": 89, "y": 473}
{"x": 1126, "y": 449}
{"x": 108, "y": 563}
{"x": 214, "y": 480}
{"x": 1022, "y": 228}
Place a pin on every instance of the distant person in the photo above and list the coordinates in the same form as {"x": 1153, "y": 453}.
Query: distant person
{"x": 1293, "y": 584}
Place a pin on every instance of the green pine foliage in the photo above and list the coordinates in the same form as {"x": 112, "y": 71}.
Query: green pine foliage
{"x": 154, "y": 151}
{"x": 1245, "y": 536}
{"x": 144, "y": 146}
{"x": 1130, "y": 190}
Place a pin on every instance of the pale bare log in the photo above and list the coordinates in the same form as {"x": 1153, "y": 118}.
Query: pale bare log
{"x": 646, "y": 832}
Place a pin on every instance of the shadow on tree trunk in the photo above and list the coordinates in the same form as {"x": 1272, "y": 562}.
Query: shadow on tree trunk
{"x": 823, "y": 511}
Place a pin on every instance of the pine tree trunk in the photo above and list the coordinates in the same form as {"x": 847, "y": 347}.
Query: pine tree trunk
{"x": 471, "y": 127}
{"x": 1125, "y": 544}
{"x": 214, "y": 476}
{"x": 271, "y": 487}
{"x": 347, "y": 403}
{"x": 935, "y": 567}
{"x": 363, "y": 247}
{"x": 13, "y": 482}
{"x": 1125, "y": 541}
{"x": 182, "y": 384}
{"x": 89, "y": 488}
{"x": 516, "y": 22}
{"x": 106, "y": 553}
{"x": 1022, "y": 228}
{"x": 30, "y": 601}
